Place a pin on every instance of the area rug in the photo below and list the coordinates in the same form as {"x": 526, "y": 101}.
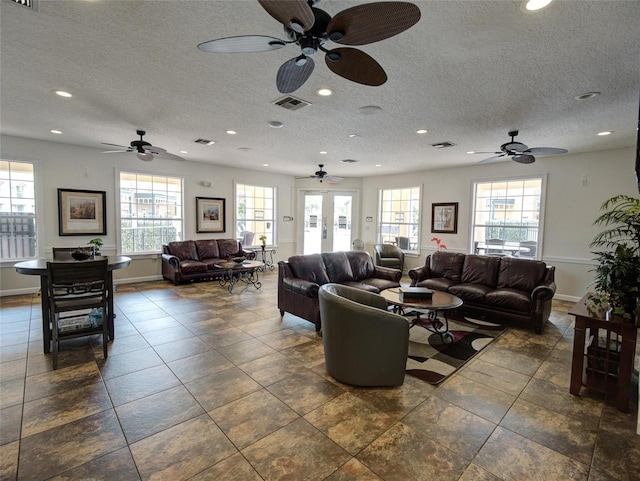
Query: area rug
{"x": 432, "y": 360}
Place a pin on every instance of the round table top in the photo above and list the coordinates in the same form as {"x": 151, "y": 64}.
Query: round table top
{"x": 440, "y": 300}
{"x": 243, "y": 265}
{"x": 38, "y": 267}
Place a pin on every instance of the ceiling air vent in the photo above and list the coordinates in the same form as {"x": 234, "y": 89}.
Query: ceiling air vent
{"x": 291, "y": 103}
{"x": 348, "y": 161}
{"x": 443, "y": 145}
{"x": 204, "y": 142}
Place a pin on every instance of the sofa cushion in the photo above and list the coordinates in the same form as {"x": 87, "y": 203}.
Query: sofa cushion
{"x": 184, "y": 250}
{"x": 480, "y": 270}
{"x": 228, "y": 247}
{"x": 471, "y": 292}
{"x": 362, "y": 266}
{"x": 192, "y": 266}
{"x": 520, "y": 274}
{"x": 207, "y": 249}
{"x": 338, "y": 267}
{"x": 511, "y": 299}
{"x": 213, "y": 262}
{"x": 362, "y": 286}
{"x": 447, "y": 265}
{"x": 437, "y": 283}
{"x": 310, "y": 268}
{"x": 378, "y": 283}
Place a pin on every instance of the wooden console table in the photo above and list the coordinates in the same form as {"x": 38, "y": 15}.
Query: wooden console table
{"x": 609, "y": 359}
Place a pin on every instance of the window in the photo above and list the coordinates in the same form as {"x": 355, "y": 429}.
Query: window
{"x": 507, "y": 216}
{"x": 151, "y": 212}
{"x": 400, "y": 217}
{"x": 17, "y": 210}
{"x": 255, "y": 214}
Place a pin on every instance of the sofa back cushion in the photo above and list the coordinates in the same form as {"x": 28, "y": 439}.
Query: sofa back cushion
{"x": 337, "y": 266}
{"x": 362, "y": 266}
{"x": 207, "y": 249}
{"x": 447, "y": 265}
{"x": 310, "y": 268}
{"x": 228, "y": 247}
{"x": 480, "y": 270}
{"x": 521, "y": 274}
{"x": 184, "y": 250}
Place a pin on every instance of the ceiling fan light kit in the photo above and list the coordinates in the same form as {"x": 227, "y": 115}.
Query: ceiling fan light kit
{"x": 311, "y": 28}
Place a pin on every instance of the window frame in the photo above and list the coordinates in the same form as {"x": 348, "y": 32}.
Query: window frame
{"x": 253, "y": 221}
{"x": 118, "y": 178}
{"x": 412, "y": 232}
{"x": 37, "y": 231}
{"x": 540, "y": 212}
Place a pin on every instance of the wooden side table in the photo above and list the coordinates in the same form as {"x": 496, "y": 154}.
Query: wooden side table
{"x": 609, "y": 359}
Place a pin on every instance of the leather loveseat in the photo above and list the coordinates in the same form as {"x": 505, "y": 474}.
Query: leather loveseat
{"x": 493, "y": 288}
{"x": 191, "y": 260}
{"x": 300, "y": 277}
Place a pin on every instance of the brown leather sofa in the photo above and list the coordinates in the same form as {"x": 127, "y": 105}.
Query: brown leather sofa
{"x": 300, "y": 277}
{"x": 493, "y": 288}
{"x": 190, "y": 260}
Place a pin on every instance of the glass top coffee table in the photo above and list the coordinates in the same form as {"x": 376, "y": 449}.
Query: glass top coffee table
{"x": 234, "y": 272}
{"x": 440, "y": 302}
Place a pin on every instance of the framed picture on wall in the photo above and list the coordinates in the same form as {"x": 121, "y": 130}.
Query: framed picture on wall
{"x": 211, "y": 214}
{"x": 82, "y": 212}
{"x": 444, "y": 218}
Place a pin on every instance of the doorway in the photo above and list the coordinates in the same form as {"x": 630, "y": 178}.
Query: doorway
{"x": 327, "y": 220}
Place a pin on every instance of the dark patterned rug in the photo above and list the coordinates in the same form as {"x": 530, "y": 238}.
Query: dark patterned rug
{"x": 433, "y": 359}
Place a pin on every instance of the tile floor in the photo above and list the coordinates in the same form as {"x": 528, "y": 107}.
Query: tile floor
{"x": 204, "y": 385}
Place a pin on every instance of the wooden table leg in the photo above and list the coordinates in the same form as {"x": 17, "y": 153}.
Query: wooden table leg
{"x": 44, "y": 303}
{"x": 627, "y": 352}
{"x": 577, "y": 362}
{"x": 110, "y": 313}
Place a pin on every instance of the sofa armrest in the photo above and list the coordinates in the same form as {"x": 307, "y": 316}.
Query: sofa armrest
{"x": 248, "y": 254}
{"x": 544, "y": 292}
{"x": 300, "y": 286}
{"x": 172, "y": 260}
{"x": 387, "y": 273}
{"x": 418, "y": 274}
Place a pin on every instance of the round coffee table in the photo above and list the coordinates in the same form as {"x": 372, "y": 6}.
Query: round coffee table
{"x": 246, "y": 272}
{"x": 441, "y": 301}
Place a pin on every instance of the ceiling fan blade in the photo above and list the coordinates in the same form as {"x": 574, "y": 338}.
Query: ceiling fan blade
{"x": 291, "y": 76}
{"x": 332, "y": 179}
{"x": 242, "y": 44}
{"x": 491, "y": 159}
{"x": 372, "y": 22}
{"x": 115, "y": 151}
{"x": 117, "y": 145}
{"x": 153, "y": 149}
{"x": 545, "y": 151}
{"x": 355, "y": 65}
{"x": 167, "y": 155}
{"x": 523, "y": 158}
{"x": 295, "y": 14}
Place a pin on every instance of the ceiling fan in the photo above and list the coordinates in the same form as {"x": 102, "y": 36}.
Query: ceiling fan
{"x": 311, "y": 28}
{"x": 143, "y": 149}
{"x": 519, "y": 152}
{"x": 322, "y": 176}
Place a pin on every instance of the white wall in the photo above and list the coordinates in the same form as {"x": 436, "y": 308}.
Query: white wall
{"x": 570, "y": 207}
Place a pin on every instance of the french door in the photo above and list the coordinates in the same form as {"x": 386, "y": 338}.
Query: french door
{"x": 327, "y": 220}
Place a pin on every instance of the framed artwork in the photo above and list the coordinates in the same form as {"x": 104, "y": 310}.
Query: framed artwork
{"x": 211, "y": 214}
{"x": 444, "y": 218}
{"x": 82, "y": 212}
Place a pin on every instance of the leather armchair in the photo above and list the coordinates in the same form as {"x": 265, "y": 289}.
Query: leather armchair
{"x": 364, "y": 344}
{"x": 388, "y": 255}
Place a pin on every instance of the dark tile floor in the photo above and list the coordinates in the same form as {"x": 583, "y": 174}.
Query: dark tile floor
{"x": 204, "y": 385}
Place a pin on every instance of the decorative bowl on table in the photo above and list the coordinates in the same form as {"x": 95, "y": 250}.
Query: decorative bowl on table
{"x": 238, "y": 260}
{"x": 81, "y": 254}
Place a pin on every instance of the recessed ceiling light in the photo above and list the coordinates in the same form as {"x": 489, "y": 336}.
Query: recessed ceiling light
{"x": 244, "y": 149}
{"x": 276, "y": 124}
{"x": 265, "y": 165}
{"x": 324, "y": 92}
{"x": 62, "y": 93}
{"x": 352, "y": 136}
{"x": 535, "y": 5}
{"x": 471, "y": 152}
{"x": 184, "y": 152}
{"x": 323, "y": 152}
{"x": 369, "y": 109}
{"x": 421, "y": 131}
{"x": 606, "y": 132}
{"x": 378, "y": 165}
{"x": 587, "y": 95}
{"x": 231, "y": 132}
{"x": 57, "y": 132}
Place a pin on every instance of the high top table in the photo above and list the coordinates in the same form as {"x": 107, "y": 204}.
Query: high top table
{"x": 38, "y": 267}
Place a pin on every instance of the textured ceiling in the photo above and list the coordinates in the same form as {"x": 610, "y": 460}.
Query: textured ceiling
{"x": 469, "y": 71}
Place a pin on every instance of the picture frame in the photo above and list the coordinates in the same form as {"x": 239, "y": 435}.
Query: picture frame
{"x": 210, "y": 214}
{"x": 444, "y": 218}
{"x": 82, "y": 212}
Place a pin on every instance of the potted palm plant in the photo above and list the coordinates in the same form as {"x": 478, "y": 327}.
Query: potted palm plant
{"x": 617, "y": 275}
